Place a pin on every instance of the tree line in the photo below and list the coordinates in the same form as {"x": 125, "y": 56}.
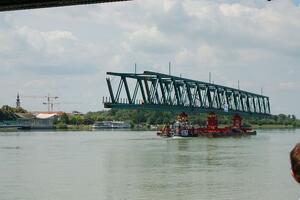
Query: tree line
{"x": 9, "y": 113}
{"x": 147, "y": 117}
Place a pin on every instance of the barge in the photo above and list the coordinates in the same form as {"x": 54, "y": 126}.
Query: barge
{"x": 181, "y": 128}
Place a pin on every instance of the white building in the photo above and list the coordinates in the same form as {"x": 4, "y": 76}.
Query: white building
{"x": 38, "y": 121}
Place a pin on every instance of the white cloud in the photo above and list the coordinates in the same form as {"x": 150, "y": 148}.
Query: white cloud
{"x": 252, "y": 41}
{"x": 51, "y": 42}
{"x": 289, "y": 85}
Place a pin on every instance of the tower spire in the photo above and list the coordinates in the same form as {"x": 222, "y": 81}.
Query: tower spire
{"x": 18, "y": 101}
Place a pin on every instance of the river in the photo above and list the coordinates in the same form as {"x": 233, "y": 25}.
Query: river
{"x": 139, "y": 165}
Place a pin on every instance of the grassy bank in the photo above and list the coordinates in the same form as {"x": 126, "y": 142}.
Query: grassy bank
{"x": 73, "y": 127}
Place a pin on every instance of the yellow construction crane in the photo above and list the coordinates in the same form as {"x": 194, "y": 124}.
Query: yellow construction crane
{"x": 49, "y": 99}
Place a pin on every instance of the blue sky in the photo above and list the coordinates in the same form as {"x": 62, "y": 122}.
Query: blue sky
{"x": 67, "y": 51}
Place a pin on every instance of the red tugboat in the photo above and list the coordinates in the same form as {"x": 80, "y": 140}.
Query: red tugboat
{"x": 181, "y": 128}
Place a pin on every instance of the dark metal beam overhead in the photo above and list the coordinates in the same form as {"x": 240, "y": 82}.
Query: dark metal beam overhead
{"x": 7, "y": 5}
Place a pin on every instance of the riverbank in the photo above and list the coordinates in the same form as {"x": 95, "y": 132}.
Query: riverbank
{"x": 147, "y": 120}
{"x": 154, "y": 128}
{"x": 90, "y": 128}
{"x": 64, "y": 127}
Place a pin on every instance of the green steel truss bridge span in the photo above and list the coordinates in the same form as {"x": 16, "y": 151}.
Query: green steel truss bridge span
{"x": 157, "y": 91}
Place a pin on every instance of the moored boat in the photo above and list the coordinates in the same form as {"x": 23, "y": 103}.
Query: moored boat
{"x": 111, "y": 125}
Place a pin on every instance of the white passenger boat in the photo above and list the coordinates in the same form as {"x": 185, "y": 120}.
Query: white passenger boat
{"x": 110, "y": 124}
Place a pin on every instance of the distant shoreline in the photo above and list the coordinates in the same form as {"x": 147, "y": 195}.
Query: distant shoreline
{"x": 144, "y": 128}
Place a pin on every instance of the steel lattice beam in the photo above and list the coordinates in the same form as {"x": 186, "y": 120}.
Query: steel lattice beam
{"x": 158, "y": 91}
{"x": 7, "y": 5}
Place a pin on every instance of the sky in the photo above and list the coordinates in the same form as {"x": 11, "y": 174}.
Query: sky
{"x": 67, "y": 51}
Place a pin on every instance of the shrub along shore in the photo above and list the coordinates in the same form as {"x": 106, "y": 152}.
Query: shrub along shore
{"x": 144, "y": 119}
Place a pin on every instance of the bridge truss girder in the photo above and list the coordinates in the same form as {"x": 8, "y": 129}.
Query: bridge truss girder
{"x": 158, "y": 91}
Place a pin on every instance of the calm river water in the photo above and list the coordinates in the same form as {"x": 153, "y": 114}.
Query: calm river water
{"x": 139, "y": 165}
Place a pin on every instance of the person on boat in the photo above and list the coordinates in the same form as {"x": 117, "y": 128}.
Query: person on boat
{"x": 295, "y": 162}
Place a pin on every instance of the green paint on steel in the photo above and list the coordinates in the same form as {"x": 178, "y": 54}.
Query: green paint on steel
{"x": 176, "y": 93}
{"x": 179, "y": 109}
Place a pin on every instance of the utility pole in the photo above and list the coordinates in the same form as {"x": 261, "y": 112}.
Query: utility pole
{"x": 170, "y": 68}
{"x": 209, "y": 77}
